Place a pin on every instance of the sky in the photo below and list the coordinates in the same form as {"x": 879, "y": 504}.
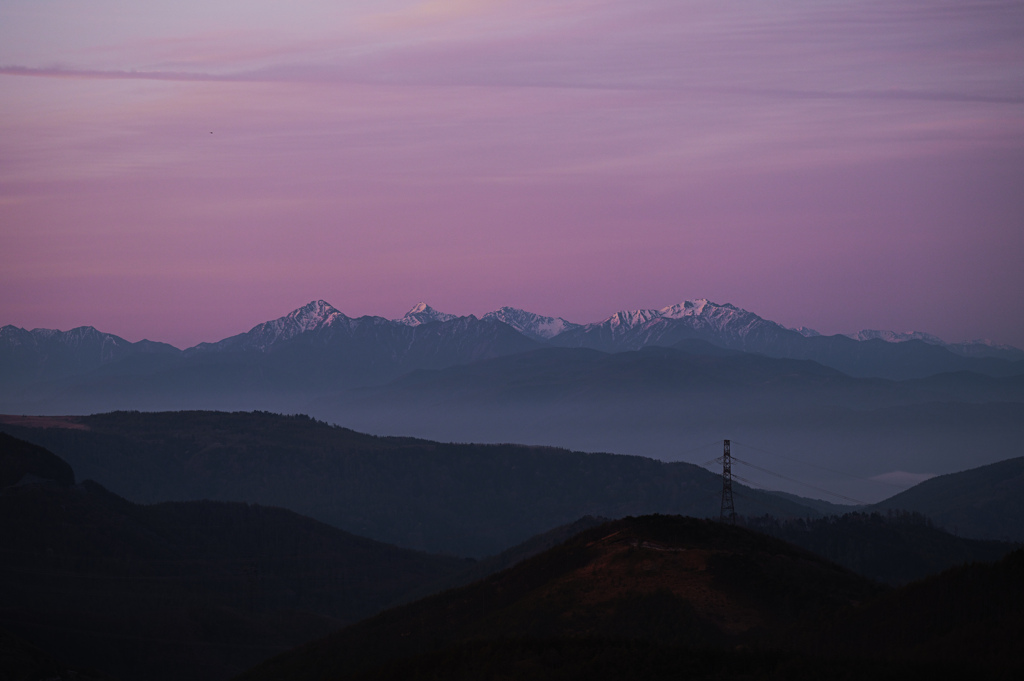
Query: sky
{"x": 184, "y": 171}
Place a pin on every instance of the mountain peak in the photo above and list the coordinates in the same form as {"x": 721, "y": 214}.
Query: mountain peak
{"x": 421, "y": 313}
{"x": 530, "y": 324}
{"x": 687, "y": 308}
{"x": 316, "y": 308}
{"x": 312, "y": 316}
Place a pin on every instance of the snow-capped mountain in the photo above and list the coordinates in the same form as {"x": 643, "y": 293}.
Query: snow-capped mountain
{"x": 529, "y": 324}
{"x": 806, "y": 332}
{"x": 313, "y": 316}
{"x": 421, "y": 313}
{"x": 724, "y": 325}
{"x": 317, "y": 348}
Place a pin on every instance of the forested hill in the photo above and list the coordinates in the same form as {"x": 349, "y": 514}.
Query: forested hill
{"x": 464, "y": 499}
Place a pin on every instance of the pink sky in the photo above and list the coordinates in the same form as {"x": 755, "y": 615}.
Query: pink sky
{"x": 839, "y": 165}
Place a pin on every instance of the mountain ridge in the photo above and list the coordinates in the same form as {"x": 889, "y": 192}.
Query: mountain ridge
{"x": 285, "y": 363}
{"x": 317, "y": 313}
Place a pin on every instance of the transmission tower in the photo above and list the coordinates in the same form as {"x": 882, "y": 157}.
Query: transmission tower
{"x": 728, "y": 509}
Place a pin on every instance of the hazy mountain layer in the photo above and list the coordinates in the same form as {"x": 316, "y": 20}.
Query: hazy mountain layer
{"x": 797, "y": 418}
{"x": 459, "y": 498}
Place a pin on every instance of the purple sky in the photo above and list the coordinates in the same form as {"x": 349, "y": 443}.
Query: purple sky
{"x": 839, "y": 165}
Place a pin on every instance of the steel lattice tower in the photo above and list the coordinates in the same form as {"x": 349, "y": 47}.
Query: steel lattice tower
{"x": 728, "y": 509}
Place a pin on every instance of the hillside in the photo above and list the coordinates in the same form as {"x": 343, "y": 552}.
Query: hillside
{"x": 23, "y": 461}
{"x": 660, "y": 580}
{"x": 985, "y": 502}
{"x": 463, "y": 499}
{"x": 662, "y": 597}
{"x": 894, "y": 548}
{"x": 182, "y": 590}
{"x": 971, "y": 614}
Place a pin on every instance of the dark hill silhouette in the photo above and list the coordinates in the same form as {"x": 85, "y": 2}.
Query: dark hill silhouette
{"x": 971, "y": 613}
{"x": 669, "y": 597}
{"x": 464, "y": 499}
{"x": 656, "y": 579}
{"x": 23, "y": 662}
{"x": 985, "y": 502}
{"x": 195, "y": 590}
{"x": 893, "y": 548}
{"x": 22, "y": 460}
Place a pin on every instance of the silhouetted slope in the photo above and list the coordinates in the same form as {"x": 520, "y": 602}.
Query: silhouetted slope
{"x": 20, "y": 460}
{"x": 971, "y": 613}
{"x": 184, "y": 590}
{"x": 657, "y": 579}
{"x": 20, "y": 661}
{"x": 464, "y": 499}
{"x": 985, "y": 502}
{"x": 511, "y": 556}
{"x": 894, "y": 549}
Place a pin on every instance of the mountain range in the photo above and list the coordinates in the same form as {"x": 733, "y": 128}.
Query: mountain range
{"x": 402, "y": 344}
{"x": 655, "y": 382}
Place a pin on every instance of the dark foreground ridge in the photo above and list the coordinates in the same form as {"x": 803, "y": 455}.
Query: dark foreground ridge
{"x": 673, "y": 597}
{"x": 198, "y": 590}
{"x": 205, "y": 589}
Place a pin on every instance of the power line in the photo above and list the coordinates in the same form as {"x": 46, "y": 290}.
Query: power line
{"x": 824, "y": 468}
{"x": 819, "y": 489}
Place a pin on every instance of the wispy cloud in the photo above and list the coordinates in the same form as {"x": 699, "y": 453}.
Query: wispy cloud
{"x": 58, "y": 72}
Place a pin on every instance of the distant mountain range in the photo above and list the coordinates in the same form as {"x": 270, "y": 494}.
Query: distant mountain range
{"x": 654, "y": 382}
{"x": 317, "y": 349}
{"x": 395, "y": 346}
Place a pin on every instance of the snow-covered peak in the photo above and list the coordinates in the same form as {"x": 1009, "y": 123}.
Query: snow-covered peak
{"x": 687, "y": 308}
{"x": 895, "y": 336}
{"x": 806, "y": 332}
{"x": 531, "y": 324}
{"x": 700, "y": 310}
{"x": 312, "y": 316}
{"x": 421, "y": 313}
{"x": 627, "y": 319}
